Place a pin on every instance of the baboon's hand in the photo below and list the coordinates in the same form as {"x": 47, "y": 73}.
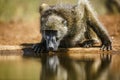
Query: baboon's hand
{"x": 106, "y": 45}
{"x": 39, "y": 48}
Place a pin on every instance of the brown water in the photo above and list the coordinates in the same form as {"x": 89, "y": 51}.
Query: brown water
{"x": 53, "y": 67}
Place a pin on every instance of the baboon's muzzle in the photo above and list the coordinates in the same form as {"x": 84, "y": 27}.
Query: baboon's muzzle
{"x": 51, "y": 43}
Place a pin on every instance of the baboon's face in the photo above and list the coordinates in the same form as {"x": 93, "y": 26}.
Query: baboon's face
{"x": 54, "y": 29}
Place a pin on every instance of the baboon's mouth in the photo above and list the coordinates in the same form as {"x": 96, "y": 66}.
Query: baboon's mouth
{"x": 52, "y": 49}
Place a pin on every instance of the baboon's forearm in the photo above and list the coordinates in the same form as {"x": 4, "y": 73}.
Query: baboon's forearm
{"x": 95, "y": 24}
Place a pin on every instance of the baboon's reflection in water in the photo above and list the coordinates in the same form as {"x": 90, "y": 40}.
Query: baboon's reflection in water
{"x": 64, "y": 68}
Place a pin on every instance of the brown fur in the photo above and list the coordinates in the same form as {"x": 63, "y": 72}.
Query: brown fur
{"x": 82, "y": 24}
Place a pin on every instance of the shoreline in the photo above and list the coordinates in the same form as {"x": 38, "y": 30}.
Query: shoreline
{"x": 20, "y": 50}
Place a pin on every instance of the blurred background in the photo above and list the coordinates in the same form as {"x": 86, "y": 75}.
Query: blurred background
{"x": 19, "y": 19}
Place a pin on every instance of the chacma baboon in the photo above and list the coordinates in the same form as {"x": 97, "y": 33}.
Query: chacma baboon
{"x": 70, "y": 25}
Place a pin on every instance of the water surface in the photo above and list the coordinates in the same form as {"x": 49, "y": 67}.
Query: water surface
{"x": 56, "y": 67}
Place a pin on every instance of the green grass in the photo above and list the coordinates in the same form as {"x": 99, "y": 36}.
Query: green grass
{"x": 21, "y": 9}
{"x": 28, "y": 9}
{"x": 16, "y": 9}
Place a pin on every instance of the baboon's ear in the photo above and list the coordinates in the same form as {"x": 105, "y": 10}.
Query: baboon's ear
{"x": 43, "y": 7}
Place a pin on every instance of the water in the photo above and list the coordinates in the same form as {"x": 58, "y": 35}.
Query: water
{"x": 57, "y": 67}
{"x": 19, "y": 68}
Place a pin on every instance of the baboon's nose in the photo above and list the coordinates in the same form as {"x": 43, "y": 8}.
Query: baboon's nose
{"x": 51, "y": 48}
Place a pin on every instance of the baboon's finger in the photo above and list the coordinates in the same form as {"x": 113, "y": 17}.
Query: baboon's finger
{"x": 90, "y": 45}
{"x": 102, "y": 48}
{"x": 41, "y": 51}
{"x": 107, "y": 48}
{"x": 85, "y": 46}
{"x": 33, "y": 46}
{"x": 110, "y": 47}
{"x": 38, "y": 50}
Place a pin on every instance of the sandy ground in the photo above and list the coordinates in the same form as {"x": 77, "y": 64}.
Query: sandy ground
{"x": 27, "y": 33}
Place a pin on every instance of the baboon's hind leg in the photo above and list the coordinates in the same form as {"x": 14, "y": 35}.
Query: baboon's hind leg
{"x": 90, "y": 38}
